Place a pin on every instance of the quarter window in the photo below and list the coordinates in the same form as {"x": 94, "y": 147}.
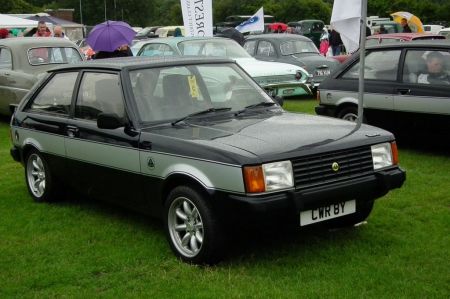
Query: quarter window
{"x": 157, "y": 50}
{"x": 250, "y": 47}
{"x": 99, "y": 93}
{"x": 5, "y": 59}
{"x": 56, "y": 96}
{"x": 379, "y": 65}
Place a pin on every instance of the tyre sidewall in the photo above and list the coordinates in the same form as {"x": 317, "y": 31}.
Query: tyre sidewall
{"x": 47, "y": 195}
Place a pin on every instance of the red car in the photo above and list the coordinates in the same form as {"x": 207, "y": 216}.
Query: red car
{"x": 378, "y": 39}
{"x": 277, "y": 27}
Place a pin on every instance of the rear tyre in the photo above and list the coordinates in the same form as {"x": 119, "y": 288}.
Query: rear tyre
{"x": 363, "y": 210}
{"x": 38, "y": 177}
{"x": 349, "y": 113}
{"x": 192, "y": 228}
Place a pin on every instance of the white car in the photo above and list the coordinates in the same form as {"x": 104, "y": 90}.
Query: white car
{"x": 445, "y": 32}
{"x": 433, "y": 28}
{"x": 279, "y": 79}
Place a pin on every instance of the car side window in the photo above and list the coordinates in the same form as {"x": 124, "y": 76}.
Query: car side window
{"x": 56, "y": 96}
{"x": 157, "y": 50}
{"x": 379, "y": 65}
{"x": 427, "y": 67}
{"x": 5, "y": 59}
{"x": 250, "y": 47}
{"x": 265, "y": 49}
{"x": 99, "y": 93}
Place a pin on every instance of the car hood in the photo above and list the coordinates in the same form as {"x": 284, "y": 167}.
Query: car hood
{"x": 314, "y": 61}
{"x": 258, "y": 68}
{"x": 272, "y": 135}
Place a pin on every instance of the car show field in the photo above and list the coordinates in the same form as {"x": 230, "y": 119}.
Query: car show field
{"x": 78, "y": 247}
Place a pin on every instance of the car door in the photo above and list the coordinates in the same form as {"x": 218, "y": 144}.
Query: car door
{"x": 104, "y": 163}
{"x": 381, "y": 72}
{"x": 422, "y": 99}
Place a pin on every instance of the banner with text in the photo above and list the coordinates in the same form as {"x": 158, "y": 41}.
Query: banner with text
{"x": 197, "y": 17}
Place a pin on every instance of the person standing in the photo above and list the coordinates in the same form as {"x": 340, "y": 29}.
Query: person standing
{"x": 335, "y": 42}
{"x": 405, "y": 26}
{"x": 58, "y": 32}
{"x": 42, "y": 30}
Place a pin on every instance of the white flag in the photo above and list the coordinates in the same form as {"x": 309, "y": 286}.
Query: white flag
{"x": 345, "y": 19}
{"x": 255, "y": 23}
{"x": 197, "y": 17}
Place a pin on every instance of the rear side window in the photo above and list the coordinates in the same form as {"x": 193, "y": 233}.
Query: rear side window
{"x": 99, "y": 93}
{"x": 265, "y": 49}
{"x": 157, "y": 50}
{"x": 380, "y": 65}
{"x": 427, "y": 67}
{"x": 5, "y": 59}
{"x": 56, "y": 96}
{"x": 250, "y": 47}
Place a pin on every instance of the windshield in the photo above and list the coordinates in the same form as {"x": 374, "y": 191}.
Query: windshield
{"x": 169, "y": 93}
{"x": 48, "y": 55}
{"x": 297, "y": 46}
{"x": 213, "y": 47}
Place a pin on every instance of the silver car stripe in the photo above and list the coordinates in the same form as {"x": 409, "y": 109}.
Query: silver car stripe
{"x": 48, "y": 143}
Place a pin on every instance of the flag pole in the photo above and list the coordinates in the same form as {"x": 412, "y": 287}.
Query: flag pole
{"x": 362, "y": 62}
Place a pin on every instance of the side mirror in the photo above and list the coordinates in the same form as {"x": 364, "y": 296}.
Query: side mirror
{"x": 109, "y": 121}
{"x": 279, "y": 100}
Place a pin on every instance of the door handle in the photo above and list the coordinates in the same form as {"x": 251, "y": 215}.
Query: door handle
{"x": 403, "y": 91}
{"x": 72, "y": 131}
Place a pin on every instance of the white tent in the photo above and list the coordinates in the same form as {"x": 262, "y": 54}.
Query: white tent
{"x": 13, "y": 22}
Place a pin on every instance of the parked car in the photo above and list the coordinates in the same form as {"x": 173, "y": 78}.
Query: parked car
{"x": 22, "y": 60}
{"x": 293, "y": 49}
{"x": 277, "y": 78}
{"x": 377, "y": 39}
{"x": 389, "y": 27}
{"x": 147, "y": 32}
{"x": 168, "y": 31}
{"x": 310, "y": 28}
{"x": 197, "y": 143}
{"x": 407, "y": 88}
{"x": 85, "y": 49}
{"x": 433, "y": 28}
{"x": 445, "y": 32}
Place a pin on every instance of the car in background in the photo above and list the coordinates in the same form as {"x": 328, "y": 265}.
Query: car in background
{"x": 407, "y": 88}
{"x": 312, "y": 29}
{"x": 389, "y": 27}
{"x": 23, "y": 60}
{"x": 388, "y": 38}
{"x": 433, "y": 28}
{"x": 147, "y": 32}
{"x": 168, "y": 31}
{"x": 445, "y": 32}
{"x": 85, "y": 49}
{"x": 293, "y": 49}
{"x": 279, "y": 79}
{"x": 198, "y": 144}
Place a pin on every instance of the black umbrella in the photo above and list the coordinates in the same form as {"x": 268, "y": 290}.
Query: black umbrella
{"x": 233, "y": 34}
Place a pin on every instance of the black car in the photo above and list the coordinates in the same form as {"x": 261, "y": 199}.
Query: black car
{"x": 196, "y": 142}
{"x": 293, "y": 49}
{"x": 407, "y": 88}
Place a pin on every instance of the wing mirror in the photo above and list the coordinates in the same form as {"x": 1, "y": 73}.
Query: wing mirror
{"x": 109, "y": 121}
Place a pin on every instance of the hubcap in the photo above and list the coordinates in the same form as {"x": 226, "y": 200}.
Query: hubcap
{"x": 36, "y": 175}
{"x": 185, "y": 227}
{"x": 350, "y": 117}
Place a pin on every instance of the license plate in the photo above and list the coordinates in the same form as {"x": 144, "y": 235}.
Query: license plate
{"x": 327, "y": 212}
{"x": 325, "y": 72}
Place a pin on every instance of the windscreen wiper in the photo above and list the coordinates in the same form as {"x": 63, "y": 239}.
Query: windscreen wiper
{"x": 258, "y": 105}
{"x": 206, "y": 111}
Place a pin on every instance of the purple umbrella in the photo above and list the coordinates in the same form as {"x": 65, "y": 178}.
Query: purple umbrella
{"x": 110, "y": 35}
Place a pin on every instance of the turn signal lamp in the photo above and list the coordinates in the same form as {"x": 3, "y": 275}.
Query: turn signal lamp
{"x": 394, "y": 153}
{"x": 254, "y": 179}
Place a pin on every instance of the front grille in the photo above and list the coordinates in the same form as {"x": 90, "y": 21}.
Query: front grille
{"x": 316, "y": 170}
{"x": 275, "y": 79}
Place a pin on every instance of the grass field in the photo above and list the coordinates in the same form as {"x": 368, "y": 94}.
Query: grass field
{"x": 82, "y": 249}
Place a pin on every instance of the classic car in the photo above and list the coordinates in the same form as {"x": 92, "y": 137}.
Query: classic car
{"x": 400, "y": 37}
{"x": 445, "y": 32}
{"x": 22, "y": 60}
{"x": 310, "y": 28}
{"x": 294, "y": 49}
{"x": 277, "y": 78}
{"x": 405, "y": 88}
{"x": 197, "y": 143}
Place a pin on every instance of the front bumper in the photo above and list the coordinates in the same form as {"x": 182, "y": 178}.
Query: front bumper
{"x": 325, "y": 110}
{"x": 285, "y": 89}
{"x": 289, "y": 204}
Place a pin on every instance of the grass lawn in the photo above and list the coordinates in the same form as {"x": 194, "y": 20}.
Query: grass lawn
{"x": 77, "y": 248}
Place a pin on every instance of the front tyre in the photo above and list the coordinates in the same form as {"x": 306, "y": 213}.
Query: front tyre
{"x": 349, "y": 113}
{"x": 193, "y": 231}
{"x": 38, "y": 177}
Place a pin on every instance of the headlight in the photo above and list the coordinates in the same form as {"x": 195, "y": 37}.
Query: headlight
{"x": 384, "y": 155}
{"x": 268, "y": 177}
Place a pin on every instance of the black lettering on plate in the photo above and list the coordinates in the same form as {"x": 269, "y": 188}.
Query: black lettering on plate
{"x": 327, "y": 211}
{"x": 342, "y": 205}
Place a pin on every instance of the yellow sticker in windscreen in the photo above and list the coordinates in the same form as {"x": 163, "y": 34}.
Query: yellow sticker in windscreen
{"x": 193, "y": 86}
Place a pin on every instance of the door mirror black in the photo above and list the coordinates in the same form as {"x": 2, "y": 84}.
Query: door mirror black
{"x": 109, "y": 121}
{"x": 279, "y": 100}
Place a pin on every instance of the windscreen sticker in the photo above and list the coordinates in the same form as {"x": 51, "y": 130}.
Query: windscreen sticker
{"x": 193, "y": 86}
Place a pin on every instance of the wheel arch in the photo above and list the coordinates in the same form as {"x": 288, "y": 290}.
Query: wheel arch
{"x": 178, "y": 179}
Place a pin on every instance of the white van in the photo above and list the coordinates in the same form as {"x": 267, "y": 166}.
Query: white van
{"x": 433, "y": 28}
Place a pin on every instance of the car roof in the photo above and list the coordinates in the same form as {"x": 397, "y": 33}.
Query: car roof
{"x": 278, "y": 36}
{"x": 436, "y": 43}
{"x": 140, "y": 62}
{"x": 408, "y": 36}
{"x": 35, "y": 42}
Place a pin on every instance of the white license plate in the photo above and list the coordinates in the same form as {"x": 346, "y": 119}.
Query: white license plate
{"x": 327, "y": 212}
{"x": 322, "y": 72}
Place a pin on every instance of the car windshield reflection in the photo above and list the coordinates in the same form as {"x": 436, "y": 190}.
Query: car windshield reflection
{"x": 213, "y": 47}
{"x": 170, "y": 93}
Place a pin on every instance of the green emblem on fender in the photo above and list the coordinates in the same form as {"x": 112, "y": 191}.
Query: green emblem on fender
{"x": 150, "y": 163}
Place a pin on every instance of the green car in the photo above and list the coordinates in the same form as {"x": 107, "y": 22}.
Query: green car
{"x": 309, "y": 28}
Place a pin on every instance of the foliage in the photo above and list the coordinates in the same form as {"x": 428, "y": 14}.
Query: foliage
{"x": 168, "y": 12}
